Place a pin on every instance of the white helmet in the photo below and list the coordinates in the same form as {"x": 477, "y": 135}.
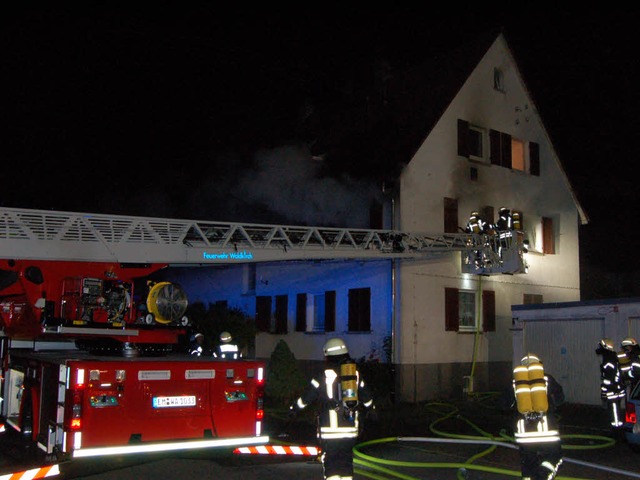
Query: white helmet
{"x": 334, "y": 347}
{"x": 225, "y": 337}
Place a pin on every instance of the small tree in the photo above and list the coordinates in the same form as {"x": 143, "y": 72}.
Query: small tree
{"x": 285, "y": 380}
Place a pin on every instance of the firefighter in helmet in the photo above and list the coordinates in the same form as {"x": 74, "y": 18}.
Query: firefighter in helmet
{"x": 540, "y": 447}
{"x": 478, "y": 226}
{"x": 612, "y": 388}
{"x": 227, "y": 349}
{"x": 630, "y": 358}
{"x": 504, "y": 227}
{"x": 341, "y": 395}
{"x": 195, "y": 344}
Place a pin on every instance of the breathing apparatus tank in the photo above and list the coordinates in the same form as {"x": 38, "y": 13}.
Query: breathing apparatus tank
{"x": 522, "y": 389}
{"x": 349, "y": 387}
{"x": 530, "y": 386}
{"x": 539, "y": 399}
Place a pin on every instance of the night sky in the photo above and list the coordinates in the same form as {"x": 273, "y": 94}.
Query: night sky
{"x": 164, "y": 111}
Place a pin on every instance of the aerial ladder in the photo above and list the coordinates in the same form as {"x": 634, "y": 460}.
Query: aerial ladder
{"x": 84, "y": 237}
{"x": 94, "y": 259}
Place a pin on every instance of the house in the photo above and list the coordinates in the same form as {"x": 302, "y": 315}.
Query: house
{"x": 456, "y": 135}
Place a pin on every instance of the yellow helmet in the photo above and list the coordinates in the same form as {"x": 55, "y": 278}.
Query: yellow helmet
{"x": 629, "y": 342}
{"x": 607, "y": 344}
{"x": 225, "y": 337}
{"x": 334, "y": 347}
{"x": 530, "y": 358}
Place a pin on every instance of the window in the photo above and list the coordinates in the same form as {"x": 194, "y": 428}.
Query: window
{"x": 461, "y": 311}
{"x": 472, "y": 142}
{"x": 517, "y": 155}
{"x": 498, "y": 79}
{"x": 451, "y": 215}
{"x": 316, "y": 313}
{"x": 500, "y": 144}
{"x": 360, "y": 310}
{"x": 531, "y": 298}
{"x": 271, "y": 321}
{"x": 476, "y": 143}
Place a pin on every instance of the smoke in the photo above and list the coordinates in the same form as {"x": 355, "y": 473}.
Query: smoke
{"x": 286, "y": 185}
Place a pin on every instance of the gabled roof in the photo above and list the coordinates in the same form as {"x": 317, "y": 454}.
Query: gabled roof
{"x": 401, "y": 112}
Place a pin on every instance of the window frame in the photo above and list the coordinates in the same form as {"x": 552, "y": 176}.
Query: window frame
{"x": 452, "y": 311}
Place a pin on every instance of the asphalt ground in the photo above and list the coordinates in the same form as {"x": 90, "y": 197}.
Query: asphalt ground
{"x": 436, "y": 440}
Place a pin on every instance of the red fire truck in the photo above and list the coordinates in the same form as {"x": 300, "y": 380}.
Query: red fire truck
{"x": 87, "y": 341}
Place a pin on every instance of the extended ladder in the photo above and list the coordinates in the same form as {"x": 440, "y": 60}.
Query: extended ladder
{"x": 55, "y": 235}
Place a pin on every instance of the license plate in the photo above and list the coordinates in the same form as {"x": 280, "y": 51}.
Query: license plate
{"x": 180, "y": 401}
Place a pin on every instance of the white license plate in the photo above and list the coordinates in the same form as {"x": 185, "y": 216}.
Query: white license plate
{"x": 180, "y": 401}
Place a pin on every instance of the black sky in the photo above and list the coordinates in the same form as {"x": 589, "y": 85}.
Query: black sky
{"x": 134, "y": 110}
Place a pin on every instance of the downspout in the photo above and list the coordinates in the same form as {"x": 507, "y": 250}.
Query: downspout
{"x": 476, "y": 338}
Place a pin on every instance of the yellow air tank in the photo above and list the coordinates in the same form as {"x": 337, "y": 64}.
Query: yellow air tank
{"x": 349, "y": 384}
{"x": 538, "y": 384}
{"x": 522, "y": 389}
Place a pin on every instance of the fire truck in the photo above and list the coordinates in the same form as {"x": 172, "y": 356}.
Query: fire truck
{"x": 88, "y": 343}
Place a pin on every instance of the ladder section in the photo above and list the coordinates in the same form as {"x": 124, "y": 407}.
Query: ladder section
{"x": 54, "y": 235}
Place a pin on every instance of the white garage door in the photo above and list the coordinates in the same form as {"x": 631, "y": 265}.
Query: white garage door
{"x": 567, "y": 350}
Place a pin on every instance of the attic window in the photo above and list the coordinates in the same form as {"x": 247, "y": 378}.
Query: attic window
{"x": 498, "y": 80}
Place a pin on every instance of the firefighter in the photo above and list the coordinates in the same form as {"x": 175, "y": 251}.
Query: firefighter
{"x": 341, "y": 395}
{"x": 540, "y": 447}
{"x": 631, "y": 353}
{"x": 227, "y": 350}
{"x": 195, "y": 344}
{"x": 478, "y": 226}
{"x": 612, "y": 388}
{"x": 504, "y": 228}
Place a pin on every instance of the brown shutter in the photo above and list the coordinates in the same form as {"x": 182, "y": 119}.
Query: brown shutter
{"x": 494, "y": 145}
{"x": 451, "y": 310}
{"x": 451, "y": 215}
{"x": 330, "y": 311}
{"x": 534, "y": 158}
{"x": 263, "y": 313}
{"x": 488, "y": 311}
{"x": 548, "y": 245}
{"x": 301, "y": 312}
{"x": 506, "y": 150}
{"x": 463, "y": 138}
